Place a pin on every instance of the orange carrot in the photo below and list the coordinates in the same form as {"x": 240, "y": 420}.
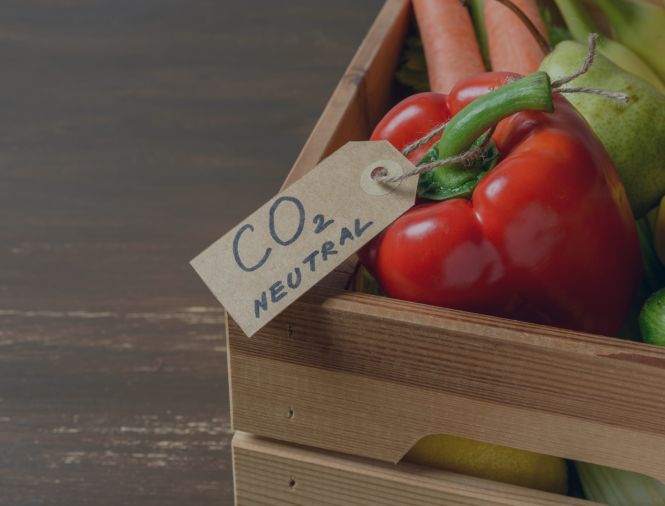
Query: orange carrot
{"x": 451, "y": 49}
{"x": 512, "y": 47}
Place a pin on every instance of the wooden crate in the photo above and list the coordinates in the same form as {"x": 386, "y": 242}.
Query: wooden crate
{"x": 369, "y": 376}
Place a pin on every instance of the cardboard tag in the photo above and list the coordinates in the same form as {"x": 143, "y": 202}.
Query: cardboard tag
{"x": 298, "y": 237}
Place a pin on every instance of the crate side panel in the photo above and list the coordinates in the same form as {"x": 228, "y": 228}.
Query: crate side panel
{"x": 268, "y": 472}
{"x": 577, "y": 396}
{"x": 379, "y": 419}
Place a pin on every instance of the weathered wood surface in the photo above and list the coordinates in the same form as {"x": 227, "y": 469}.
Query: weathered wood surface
{"x": 269, "y": 473}
{"x": 363, "y": 94}
{"x": 134, "y": 134}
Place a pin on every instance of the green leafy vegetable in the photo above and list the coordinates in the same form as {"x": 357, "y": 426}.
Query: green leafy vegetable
{"x": 653, "y": 278}
{"x": 477, "y": 8}
{"x": 654, "y": 272}
{"x": 619, "y": 488}
{"x": 652, "y": 319}
{"x": 555, "y": 32}
{"x": 366, "y": 283}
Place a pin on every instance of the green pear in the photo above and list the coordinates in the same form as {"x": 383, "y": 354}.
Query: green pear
{"x": 633, "y": 133}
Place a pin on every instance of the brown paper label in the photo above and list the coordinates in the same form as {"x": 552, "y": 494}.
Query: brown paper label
{"x": 284, "y": 248}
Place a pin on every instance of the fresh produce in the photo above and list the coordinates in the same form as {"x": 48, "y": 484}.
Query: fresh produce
{"x": 654, "y": 270}
{"x": 639, "y": 25}
{"x": 512, "y": 47}
{"x": 546, "y": 234}
{"x": 556, "y": 32}
{"x": 451, "y": 49}
{"x": 659, "y": 230}
{"x": 541, "y": 231}
{"x": 477, "y": 9}
{"x": 492, "y": 462}
{"x": 652, "y": 274}
{"x": 632, "y": 133}
{"x": 653, "y": 278}
{"x": 652, "y": 319}
{"x": 619, "y": 488}
{"x": 411, "y": 119}
{"x": 581, "y": 24}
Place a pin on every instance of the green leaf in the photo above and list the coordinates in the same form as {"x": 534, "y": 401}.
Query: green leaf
{"x": 638, "y": 322}
{"x": 366, "y": 283}
{"x": 619, "y": 488}
{"x": 652, "y": 319}
{"x": 653, "y": 269}
{"x": 478, "y": 17}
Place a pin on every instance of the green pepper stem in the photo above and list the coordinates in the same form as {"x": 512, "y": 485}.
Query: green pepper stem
{"x": 531, "y": 93}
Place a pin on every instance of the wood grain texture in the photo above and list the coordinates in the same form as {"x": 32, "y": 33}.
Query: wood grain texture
{"x": 370, "y": 376}
{"x": 268, "y": 473}
{"x": 134, "y": 133}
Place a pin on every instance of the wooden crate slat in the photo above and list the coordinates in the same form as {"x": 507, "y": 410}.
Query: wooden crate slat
{"x": 272, "y": 473}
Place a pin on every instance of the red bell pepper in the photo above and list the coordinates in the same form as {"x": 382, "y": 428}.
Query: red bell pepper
{"x": 547, "y": 235}
{"x": 413, "y": 118}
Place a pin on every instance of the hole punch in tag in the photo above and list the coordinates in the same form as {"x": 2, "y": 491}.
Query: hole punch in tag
{"x": 284, "y": 248}
{"x": 389, "y": 168}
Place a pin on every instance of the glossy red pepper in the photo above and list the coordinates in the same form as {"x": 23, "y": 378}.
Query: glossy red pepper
{"x": 413, "y": 118}
{"x": 547, "y": 236}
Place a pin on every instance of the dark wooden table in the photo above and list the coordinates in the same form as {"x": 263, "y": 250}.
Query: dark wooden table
{"x": 133, "y": 134}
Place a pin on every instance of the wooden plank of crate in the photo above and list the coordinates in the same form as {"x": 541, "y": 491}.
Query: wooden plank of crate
{"x": 370, "y": 376}
{"x": 363, "y": 94}
{"x": 271, "y": 473}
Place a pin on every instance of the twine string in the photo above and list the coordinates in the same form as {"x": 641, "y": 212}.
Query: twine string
{"x": 475, "y": 153}
{"x": 558, "y": 85}
{"x": 617, "y": 96}
{"x": 592, "y": 42}
{"x": 424, "y": 140}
